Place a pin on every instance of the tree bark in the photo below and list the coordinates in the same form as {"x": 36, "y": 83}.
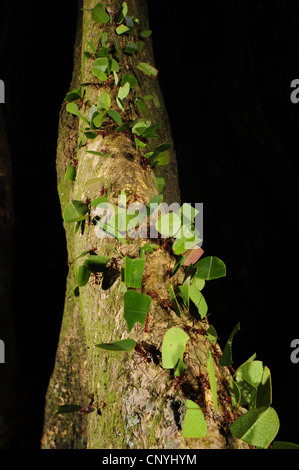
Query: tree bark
{"x": 140, "y": 405}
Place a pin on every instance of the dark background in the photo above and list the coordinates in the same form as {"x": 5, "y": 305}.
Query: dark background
{"x": 225, "y": 70}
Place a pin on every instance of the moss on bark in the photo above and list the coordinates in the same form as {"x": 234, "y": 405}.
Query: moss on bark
{"x": 139, "y": 404}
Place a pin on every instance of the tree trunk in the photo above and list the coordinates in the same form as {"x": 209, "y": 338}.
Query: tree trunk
{"x": 140, "y": 404}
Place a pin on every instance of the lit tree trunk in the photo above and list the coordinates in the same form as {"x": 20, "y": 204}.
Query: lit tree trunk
{"x": 141, "y": 404}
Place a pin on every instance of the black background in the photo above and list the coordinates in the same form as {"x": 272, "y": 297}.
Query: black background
{"x": 225, "y": 70}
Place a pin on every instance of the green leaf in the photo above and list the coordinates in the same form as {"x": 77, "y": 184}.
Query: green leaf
{"x": 146, "y": 33}
{"x": 100, "y": 67}
{"x": 73, "y": 95}
{"x": 121, "y": 345}
{"x": 104, "y": 102}
{"x": 103, "y": 200}
{"x": 248, "y": 377}
{"x": 195, "y": 425}
{"x": 173, "y": 347}
{"x": 184, "y": 292}
{"x": 211, "y": 334}
{"x": 72, "y": 108}
{"x": 147, "y": 69}
{"x": 148, "y": 248}
{"x": 136, "y": 307}
{"x": 199, "y": 300}
{"x": 99, "y": 14}
{"x": 257, "y": 427}
{"x": 154, "y": 203}
{"x": 63, "y": 409}
{"x": 168, "y": 225}
{"x": 177, "y": 266}
{"x": 160, "y": 184}
{"x": 83, "y": 276}
{"x": 180, "y": 368}
{"x": 115, "y": 116}
{"x": 104, "y": 38}
{"x": 181, "y": 244}
{"x": 130, "y": 48}
{"x": 140, "y": 126}
{"x": 158, "y": 151}
{"x": 75, "y": 211}
{"x": 227, "y": 357}
{"x": 212, "y": 378}
{"x": 210, "y": 267}
{"x": 235, "y": 394}
{"x": 264, "y": 391}
{"x": 70, "y": 174}
{"x": 134, "y": 272}
{"x": 122, "y": 13}
{"x": 99, "y": 118}
{"x": 96, "y": 263}
{"x": 141, "y": 106}
{"x": 101, "y": 64}
{"x": 284, "y": 445}
{"x": 127, "y": 77}
{"x": 124, "y": 91}
{"x": 100, "y": 154}
{"x": 113, "y": 67}
{"x": 122, "y": 29}
{"x": 103, "y": 52}
{"x": 92, "y": 46}
{"x": 174, "y": 301}
{"x": 140, "y": 45}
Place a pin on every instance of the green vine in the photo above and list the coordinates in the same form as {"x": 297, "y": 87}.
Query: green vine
{"x": 250, "y": 386}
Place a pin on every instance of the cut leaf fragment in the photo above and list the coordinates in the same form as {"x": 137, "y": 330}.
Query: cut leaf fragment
{"x": 227, "y": 357}
{"x": 212, "y": 378}
{"x": 134, "y": 272}
{"x": 257, "y": 427}
{"x": 195, "y": 425}
{"x": 121, "y": 345}
{"x": 136, "y": 307}
{"x": 210, "y": 267}
{"x": 147, "y": 69}
{"x": 75, "y": 211}
{"x": 173, "y": 347}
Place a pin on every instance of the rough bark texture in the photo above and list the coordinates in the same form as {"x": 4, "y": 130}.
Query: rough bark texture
{"x": 143, "y": 406}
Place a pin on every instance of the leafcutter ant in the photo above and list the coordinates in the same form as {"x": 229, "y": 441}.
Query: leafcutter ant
{"x": 89, "y": 408}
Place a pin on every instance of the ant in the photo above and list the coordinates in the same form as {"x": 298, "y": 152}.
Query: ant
{"x": 103, "y": 191}
{"x": 145, "y": 163}
{"x": 89, "y": 408}
{"x": 165, "y": 303}
{"x": 196, "y": 331}
{"x": 145, "y": 329}
{"x": 143, "y": 351}
{"x": 145, "y": 278}
{"x": 96, "y": 279}
{"x": 179, "y": 381}
{"x": 204, "y": 381}
{"x": 214, "y": 349}
{"x": 167, "y": 245}
{"x": 228, "y": 417}
{"x": 224, "y": 396}
{"x": 103, "y": 406}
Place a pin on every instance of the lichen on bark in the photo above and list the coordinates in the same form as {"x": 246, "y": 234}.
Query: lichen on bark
{"x": 139, "y": 403}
